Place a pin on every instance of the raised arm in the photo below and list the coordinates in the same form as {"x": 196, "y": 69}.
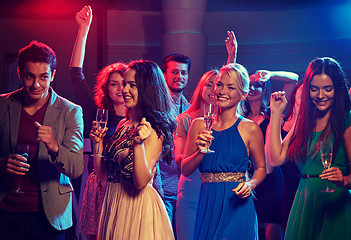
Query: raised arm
{"x": 83, "y": 19}
{"x": 147, "y": 152}
{"x": 288, "y": 78}
{"x": 196, "y": 141}
{"x": 277, "y": 148}
{"x": 232, "y": 47}
{"x": 81, "y": 88}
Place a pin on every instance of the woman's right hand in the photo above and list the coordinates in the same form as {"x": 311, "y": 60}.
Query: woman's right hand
{"x": 204, "y": 139}
{"x": 231, "y": 44}
{"x": 84, "y": 16}
{"x": 278, "y": 102}
{"x": 96, "y": 133}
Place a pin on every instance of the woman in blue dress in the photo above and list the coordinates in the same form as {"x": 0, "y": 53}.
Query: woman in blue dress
{"x": 324, "y": 116}
{"x": 226, "y": 209}
{"x": 189, "y": 187}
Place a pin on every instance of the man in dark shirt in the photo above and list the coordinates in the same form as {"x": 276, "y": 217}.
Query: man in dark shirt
{"x": 35, "y": 190}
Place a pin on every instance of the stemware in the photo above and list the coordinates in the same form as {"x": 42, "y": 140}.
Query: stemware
{"x": 23, "y": 150}
{"x": 101, "y": 119}
{"x": 326, "y": 151}
{"x": 209, "y": 116}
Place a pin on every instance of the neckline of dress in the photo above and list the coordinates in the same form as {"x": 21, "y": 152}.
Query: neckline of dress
{"x": 236, "y": 123}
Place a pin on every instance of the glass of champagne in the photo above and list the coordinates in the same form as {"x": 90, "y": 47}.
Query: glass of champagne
{"x": 101, "y": 119}
{"x": 23, "y": 150}
{"x": 209, "y": 116}
{"x": 326, "y": 151}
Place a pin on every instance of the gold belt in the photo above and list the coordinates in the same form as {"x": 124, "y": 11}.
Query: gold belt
{"x": 222, "y": 177}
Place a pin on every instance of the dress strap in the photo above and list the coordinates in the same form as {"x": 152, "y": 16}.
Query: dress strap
{"x": 238, "y": 121}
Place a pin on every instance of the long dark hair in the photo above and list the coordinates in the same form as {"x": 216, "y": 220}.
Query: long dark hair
{"x": 155, "y": 102}
{"x": 306, "y": 121}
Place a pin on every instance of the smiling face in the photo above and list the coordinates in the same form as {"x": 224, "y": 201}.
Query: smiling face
{"x": 176, "y": 76}
{"x": 130, "y": 89}
{"x": 114, "y": 87}
{"x": 322, "y": 92}
{"x": 255, "y": 92}
{"x": 207, "y": 93}
{"x": 227, "y": 94}
{"x": 36, "y": 78}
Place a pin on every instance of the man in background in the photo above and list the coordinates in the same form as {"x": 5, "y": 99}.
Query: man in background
{"x": 175, "y": 69}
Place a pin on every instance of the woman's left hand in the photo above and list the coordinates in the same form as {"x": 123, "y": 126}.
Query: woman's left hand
{"x": 243, "y": 190}
{"x": 335, "y": 175}
{"x": 144, "y": 131}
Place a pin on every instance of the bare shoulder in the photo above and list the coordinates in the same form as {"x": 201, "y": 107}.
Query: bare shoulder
{"x": 249, "y": 126}
{"x": 197, "y": 125}
{"x": 198, "y": 122}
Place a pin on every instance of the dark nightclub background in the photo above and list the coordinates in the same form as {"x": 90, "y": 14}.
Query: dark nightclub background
{"x": 272, "y": 34}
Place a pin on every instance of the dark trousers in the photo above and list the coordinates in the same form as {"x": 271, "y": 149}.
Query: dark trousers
{"x": 27, "y": 225}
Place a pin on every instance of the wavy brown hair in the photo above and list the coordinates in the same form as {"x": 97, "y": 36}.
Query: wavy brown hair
{"x": 101, "y": 97}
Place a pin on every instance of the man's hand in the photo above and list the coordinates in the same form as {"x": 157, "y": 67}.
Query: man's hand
{"x": 14, "y": 164}
{"x": 45, "y": 135}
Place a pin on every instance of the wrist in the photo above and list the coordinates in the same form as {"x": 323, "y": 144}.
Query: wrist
{"x": 252, "y": 185}
{"x": 344, "y": 181}
{"x": 53, "y": 155}
{"x": 276, "y": 113}
{"x": 53, "y": 149}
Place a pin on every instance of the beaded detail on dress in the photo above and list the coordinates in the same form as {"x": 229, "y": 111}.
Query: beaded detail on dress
{"x": 208, "y": 177}
{"x": 121, "y": 143}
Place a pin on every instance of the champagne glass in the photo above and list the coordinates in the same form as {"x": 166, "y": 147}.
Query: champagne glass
{"x": 23, "y": 150}
{"x": 326, "y": 151}
{"x": 209, "y": 115}
{"x": 101, "y": 119}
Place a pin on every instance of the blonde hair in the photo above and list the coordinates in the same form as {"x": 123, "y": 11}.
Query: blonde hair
{"x": 239, "y": 73}
{"x": 241, "y": 79}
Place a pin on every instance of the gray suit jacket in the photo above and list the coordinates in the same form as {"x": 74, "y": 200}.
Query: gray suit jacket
{"x": 66, "y": 121}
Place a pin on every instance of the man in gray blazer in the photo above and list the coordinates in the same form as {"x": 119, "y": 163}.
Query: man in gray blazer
{"x": 35, "y": 190}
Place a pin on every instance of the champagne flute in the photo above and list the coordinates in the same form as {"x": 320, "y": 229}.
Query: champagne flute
{"x": 209, "y": 114}
{"x": 326, "y": 151}
{"x": 101, "y": 119}
{"x": 23, "y": 150}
